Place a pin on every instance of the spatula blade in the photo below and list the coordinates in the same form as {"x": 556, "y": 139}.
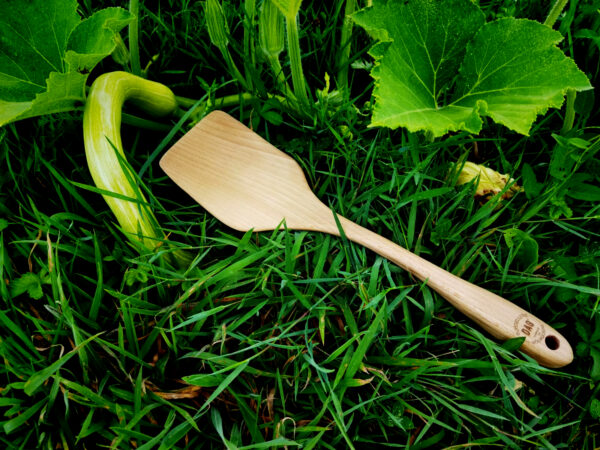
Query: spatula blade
{"x": 240, "y": 178}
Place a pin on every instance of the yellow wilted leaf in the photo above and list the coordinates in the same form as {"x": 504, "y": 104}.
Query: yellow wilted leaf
{"x": 490, "y": 182}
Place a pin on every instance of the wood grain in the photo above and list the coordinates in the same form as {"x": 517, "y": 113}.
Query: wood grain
{"x": 247, "y": 183}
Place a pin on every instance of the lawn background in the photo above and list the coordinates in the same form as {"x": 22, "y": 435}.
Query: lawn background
{"x": 287, "y": 337}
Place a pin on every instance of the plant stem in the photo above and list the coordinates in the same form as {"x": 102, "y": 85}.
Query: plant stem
{"x": 555, "y": 12}
{"x": 343, "y": 62}
{"x": 277, "y": 71}
{"x": 569, "y": 119}
{"x": 185, "y": 102}
{"x": 232, "y": 67}
{"x": 145, "y": 124}
{"x": 134, "y": 47}
{"x": 280, "y": 76}
{"x": 221, "y": 102}
{"x": 296, "y": 60}
{"x": 250, "y": 10}
{"x": 234, "y": 99}
{"x": 570, "y": 111}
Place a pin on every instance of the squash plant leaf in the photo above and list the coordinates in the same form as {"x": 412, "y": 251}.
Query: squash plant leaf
{"x": 30, "y": 283}
{"x": 440, "y": 68}
{"x": 47, "y": 52}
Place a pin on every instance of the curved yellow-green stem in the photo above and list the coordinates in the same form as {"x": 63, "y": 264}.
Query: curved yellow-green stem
{"x": 102, "y": 139}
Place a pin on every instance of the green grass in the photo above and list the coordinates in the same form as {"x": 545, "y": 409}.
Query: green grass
{"x": 289, "y": 337}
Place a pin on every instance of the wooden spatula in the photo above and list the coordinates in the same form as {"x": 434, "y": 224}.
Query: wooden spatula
{"x": 247, "y": 183}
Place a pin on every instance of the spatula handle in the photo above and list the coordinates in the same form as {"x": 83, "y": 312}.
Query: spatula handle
{"x": 501, "y": 318}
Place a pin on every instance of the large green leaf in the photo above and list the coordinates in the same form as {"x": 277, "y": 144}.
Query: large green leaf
{"x": 34, "y": 38}
{"x": 47, "y": 52}
{"x": 94, "y": 38}
{"x": 439, "y": 68}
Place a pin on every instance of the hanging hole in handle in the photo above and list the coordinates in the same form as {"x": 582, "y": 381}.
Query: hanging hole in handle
{"x": 552, "y": 342}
